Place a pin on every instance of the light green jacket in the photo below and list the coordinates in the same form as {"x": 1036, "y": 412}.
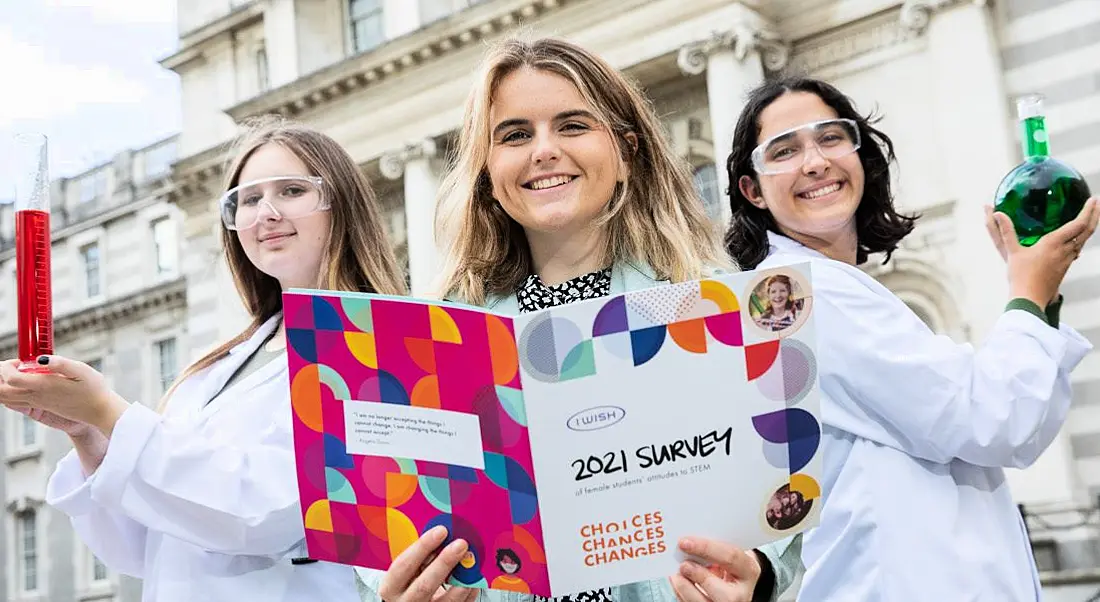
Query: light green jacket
{"x": 785, "y": 555}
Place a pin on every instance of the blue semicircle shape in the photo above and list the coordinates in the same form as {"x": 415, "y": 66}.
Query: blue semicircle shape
{"x": 336, "y": 454}
{"x": 646, "y": 343}
{"x": 303, "y": 343}
{"x": 325, "y": 316}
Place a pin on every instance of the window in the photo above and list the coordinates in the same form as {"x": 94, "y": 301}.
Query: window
{"x": 99, "y": 570}
{"x": 706, "y": 184}
{"x": 29, "y": 431}
{"x": 26, "y": 533}
{"x": 166, "y": 246}
{"x": 90, "y": 255}
{"x": 262, "y": 74}
{"x": 366, "y": 24}
{"x": 166, "y": 360}
{"x": 1046, "y": 555}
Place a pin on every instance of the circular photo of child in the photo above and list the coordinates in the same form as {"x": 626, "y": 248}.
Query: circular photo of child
{"x": 779, "y": 302}
{"x": 787, "y": 508}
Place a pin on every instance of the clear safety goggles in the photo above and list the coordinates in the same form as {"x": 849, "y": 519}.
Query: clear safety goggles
{"x": 279, "y": 197}
{"x": 786, "y": 152}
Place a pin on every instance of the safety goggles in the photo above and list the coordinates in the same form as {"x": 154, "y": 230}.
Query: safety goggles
{"x": 280, "y": 197}
{"x": 786, "y": 152}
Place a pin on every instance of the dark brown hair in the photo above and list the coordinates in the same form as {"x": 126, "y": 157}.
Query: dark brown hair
{"x": 879, "y": 227}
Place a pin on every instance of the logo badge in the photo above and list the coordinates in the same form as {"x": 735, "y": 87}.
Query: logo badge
{"x": 599, "y": 417}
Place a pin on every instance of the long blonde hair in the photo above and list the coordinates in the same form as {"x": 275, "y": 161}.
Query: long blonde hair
{"x": 359, "y": 256}
{"x": 656, "y": 218}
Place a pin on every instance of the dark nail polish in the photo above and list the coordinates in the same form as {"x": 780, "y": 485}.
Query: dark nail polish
{"x": 43, "y": 359}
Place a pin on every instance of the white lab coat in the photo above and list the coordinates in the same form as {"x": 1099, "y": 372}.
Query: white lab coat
{"x": 202, "y": 503}
{"x": 916, "y": 433}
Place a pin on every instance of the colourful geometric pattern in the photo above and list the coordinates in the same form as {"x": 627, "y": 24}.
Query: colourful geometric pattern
{"x": 365, "y": 510}
{"x": 785, "y": 370}
{"x": 635, "y": 326}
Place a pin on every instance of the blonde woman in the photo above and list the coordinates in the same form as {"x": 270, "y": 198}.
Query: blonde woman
{"x": 564, "y": 189}
{"x": 201, "y": 502}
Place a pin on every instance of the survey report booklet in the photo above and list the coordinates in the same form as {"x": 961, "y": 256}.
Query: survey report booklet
{"x": 570, "y": 447}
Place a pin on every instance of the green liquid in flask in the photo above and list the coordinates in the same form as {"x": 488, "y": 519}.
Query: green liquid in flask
{"x": 1042, "y": 193}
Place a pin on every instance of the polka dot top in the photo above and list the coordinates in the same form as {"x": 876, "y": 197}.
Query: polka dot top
{"x": 533, "y": 295}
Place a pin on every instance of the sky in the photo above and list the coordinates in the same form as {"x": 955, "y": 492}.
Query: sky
{"x": 85, "y": 73}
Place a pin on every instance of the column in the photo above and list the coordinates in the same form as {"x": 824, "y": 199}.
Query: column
{"x": 734, "y": 61}
{"x": 399, "y": 17}
{"x": 281, "y": 42}
{"x": 973, "y": 119}
{"x": 421, "y": 181}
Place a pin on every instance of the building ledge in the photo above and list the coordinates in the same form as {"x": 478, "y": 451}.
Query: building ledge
{"x": 98, "y": 591}
{"x": 197, "y": 177}
{"x": 1070, "y": 577}
{"x": 148, "y": 194}
{"x": 111, "y": 312}
{"x": 22, "y": 455}
{"x": 395, "y": 57}
{"x": 191, "y": 41}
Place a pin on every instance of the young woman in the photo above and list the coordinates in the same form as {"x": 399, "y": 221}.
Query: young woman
{"x": 201, "y": 502}
{"x": 565, "y": 189}
{"x": 782, "y": 309}
{"x": 917, "y": 430}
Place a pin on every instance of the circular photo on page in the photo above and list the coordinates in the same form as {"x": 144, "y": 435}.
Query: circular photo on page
{"x": 779, "y": 301}
{"x": 786, "y": 509}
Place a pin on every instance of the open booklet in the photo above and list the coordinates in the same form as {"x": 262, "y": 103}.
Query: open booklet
{"x": 570, "y": 447}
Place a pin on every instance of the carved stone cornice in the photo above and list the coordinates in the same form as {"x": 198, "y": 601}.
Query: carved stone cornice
{"x": 430, "y": 43}
{"x": 750, "y": 31}
{"x": 192, "y": 42}
{"x": 841, "y": 45}
{"x": 917, "y": 14}
{"x": 156, "y": 298}
{"x": 392, "y": 164}
{"x": 198, "y": 177}
{"x": 774, "y": 52}
{"x": 24, "y": 503}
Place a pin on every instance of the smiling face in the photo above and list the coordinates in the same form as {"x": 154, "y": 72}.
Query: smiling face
{"x": 778, "y": 293}
{"x": 289, "y": 250}
{"x": 817, "y": 201}
{"x": 553, "y": 165}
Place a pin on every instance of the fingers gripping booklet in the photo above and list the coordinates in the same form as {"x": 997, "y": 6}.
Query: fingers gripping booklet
{"x": 570, "y": 447}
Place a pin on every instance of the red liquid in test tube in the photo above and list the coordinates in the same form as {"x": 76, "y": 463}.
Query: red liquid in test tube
{"x": 32, "y": 253}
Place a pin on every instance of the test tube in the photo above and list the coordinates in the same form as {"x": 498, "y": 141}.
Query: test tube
{"x": 32, "y": 251}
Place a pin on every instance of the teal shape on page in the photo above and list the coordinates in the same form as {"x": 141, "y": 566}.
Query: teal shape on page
{"x": 512, "y": 402}
{"x": 339, "y": 489}
{"x": 496, "y": 469}
{"x": 579, "y": 362}
{"x": 358, "y": 312}
{"x": 438, "y": 492}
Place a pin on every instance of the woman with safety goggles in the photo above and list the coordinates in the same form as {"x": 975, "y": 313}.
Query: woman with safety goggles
{"x": 200, "y": 501}
{"x": 917, "y": 430}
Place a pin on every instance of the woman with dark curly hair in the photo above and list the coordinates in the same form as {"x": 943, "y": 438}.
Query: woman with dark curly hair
{"x": 916, "y": 429}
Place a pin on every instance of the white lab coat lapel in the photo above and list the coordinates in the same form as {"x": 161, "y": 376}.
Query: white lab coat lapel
{"x": 204, "y": 386}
